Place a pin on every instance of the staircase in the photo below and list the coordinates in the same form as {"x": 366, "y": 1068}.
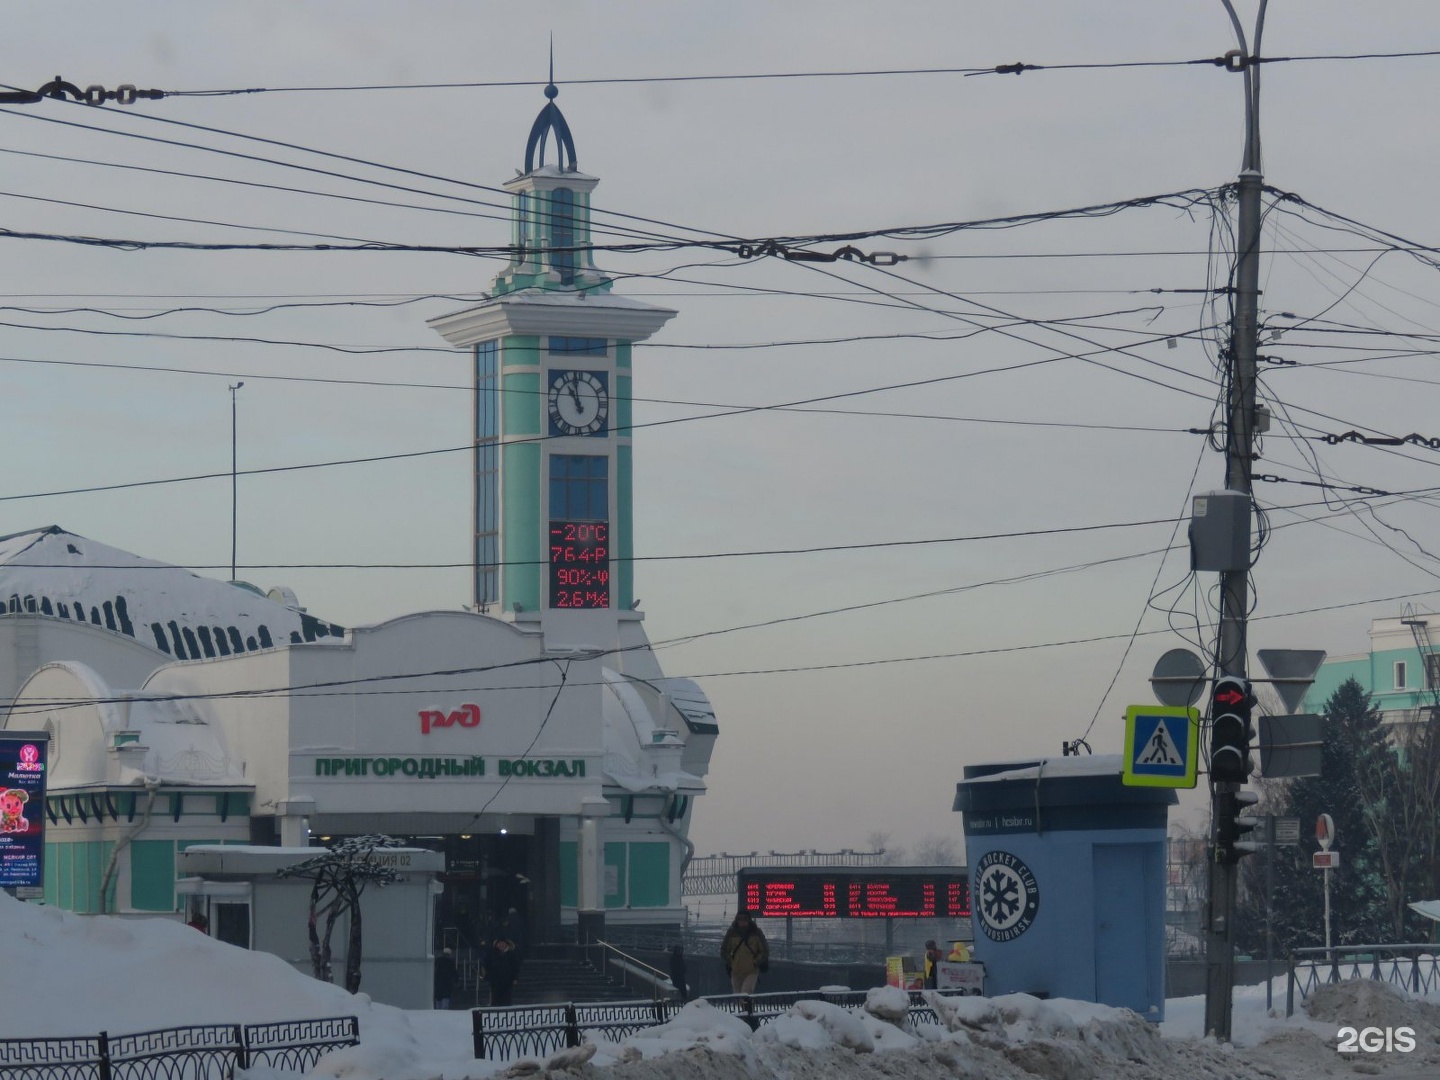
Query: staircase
{"x": 553, "y": 974}
{"x": 545, "y": 980}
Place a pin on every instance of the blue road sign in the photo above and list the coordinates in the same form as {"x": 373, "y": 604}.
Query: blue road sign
{"x": 1161, "y": 746}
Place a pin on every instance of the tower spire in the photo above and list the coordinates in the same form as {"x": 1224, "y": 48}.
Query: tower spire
{"x": 550, "y": 120}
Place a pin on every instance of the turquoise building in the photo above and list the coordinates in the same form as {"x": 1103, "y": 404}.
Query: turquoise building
{"x": 1401, "y": 672}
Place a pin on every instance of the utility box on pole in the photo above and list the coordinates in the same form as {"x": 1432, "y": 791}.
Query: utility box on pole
{"x": 1220, "y": 531}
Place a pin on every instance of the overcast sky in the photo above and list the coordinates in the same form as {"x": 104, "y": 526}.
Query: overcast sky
{"x": 1056, "y": 370}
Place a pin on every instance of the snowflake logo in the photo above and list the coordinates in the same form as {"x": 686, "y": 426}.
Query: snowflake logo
{"x": 1008, "y": 895}
{"x": 1001, "y": 896}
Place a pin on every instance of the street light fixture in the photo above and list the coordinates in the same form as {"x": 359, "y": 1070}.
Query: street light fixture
{"x": 234, "y": 482}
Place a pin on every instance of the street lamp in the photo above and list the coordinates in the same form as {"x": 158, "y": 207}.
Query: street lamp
{"x": 234, "y": 481}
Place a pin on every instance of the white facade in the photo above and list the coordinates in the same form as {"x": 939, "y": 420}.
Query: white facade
{"x": 238, "y": 890}
{"x": 543, "y": 752}
{"x": 508, "y": 753}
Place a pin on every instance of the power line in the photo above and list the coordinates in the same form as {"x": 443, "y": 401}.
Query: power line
{"x": 341, "y": 686}
{"x": 349, "y": 159}
{"x": 839, "y": 73}
{"x": 762, "y": 552}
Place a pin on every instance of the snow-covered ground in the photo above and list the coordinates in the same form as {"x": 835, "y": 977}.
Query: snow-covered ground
{"x": 78, "y": 975}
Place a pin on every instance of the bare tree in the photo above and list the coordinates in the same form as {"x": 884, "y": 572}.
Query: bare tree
{"x": 934, "y": 850}
{"x": 879, "y": 842}
{"x": 1187, "y": 876}
{"x": 340, "y": 874}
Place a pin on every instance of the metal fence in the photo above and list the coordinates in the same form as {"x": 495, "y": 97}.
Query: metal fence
{"x": 697, "y": 942}
{"x": 1415, "y": 968}
{"x": 200, "y": 1052}
{"x": 537, "y": 1030}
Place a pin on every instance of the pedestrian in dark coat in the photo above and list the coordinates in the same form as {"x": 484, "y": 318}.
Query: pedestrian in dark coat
{"x": 502, "y": 968}
{"x": 444, "y": 978}
{"x": 513, "y": 928}
{"x": 677, "y": 973}
{"x": 745, "y": 952}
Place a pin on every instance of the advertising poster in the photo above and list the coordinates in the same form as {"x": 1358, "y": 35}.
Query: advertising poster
{"x": 895, "y": 971}
{"x": 968, "y": 977}
{"x": 22, "y": 811}
{"x": 897, "y": 974}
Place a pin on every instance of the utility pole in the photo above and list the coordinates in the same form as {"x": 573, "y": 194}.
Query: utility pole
{"x": 1231, "y": 651}
{"x": 234, "y": 482}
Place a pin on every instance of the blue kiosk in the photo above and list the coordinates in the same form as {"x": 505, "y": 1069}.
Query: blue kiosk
{"x": 1067, "y": 880}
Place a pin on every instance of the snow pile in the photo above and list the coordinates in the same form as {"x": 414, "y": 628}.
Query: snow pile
{"x": 126, "y": 975}
{"x": 85, "y": 974}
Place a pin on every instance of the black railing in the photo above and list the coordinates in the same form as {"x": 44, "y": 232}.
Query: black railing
{"x": 701, "y": 943}
{"x": 537, "y": 1030}
{"x": 633, "y": 974}
{"x": 199, "y": 1052}
{"x": 1415, "y": 968}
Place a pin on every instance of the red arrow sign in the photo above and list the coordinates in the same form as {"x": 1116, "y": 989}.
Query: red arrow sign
{"x": 1230, "y": 696}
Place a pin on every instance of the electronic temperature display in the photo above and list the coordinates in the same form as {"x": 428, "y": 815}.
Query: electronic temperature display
{"x": 579, "y": 564}
{"x": 895, "y": 892}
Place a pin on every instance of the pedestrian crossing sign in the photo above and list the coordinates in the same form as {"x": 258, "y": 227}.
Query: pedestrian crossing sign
{"x": 1161, "y": 746}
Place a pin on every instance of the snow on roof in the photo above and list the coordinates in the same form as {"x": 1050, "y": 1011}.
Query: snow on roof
{"x": 180, "y": 747}
{"x": 1085, "y": 765}
{"x": 643, "y": 752}
{"x": 1428, "y": 908}
{"x": 55, "y": 573}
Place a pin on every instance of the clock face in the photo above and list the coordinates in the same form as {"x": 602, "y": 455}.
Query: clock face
{"x": 579, "y": 402}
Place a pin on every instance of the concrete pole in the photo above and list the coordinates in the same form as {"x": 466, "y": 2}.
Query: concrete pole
{"x": 1231, "y": 650}
{"x": 1234, "y": 584}
{"x": 1328, "y": 956}
{"x": 234, "y": 481}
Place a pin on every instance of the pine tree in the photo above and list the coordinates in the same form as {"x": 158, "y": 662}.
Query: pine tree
{"x": 1400, "y": 791}
{"x": 1360, "y": 912}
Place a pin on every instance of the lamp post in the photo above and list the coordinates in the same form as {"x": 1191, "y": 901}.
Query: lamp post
{"x": 234, "y": 481}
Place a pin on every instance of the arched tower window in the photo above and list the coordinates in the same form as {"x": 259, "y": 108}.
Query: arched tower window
{"x": 522, "y": 221}
{"x": 564, "y": 257}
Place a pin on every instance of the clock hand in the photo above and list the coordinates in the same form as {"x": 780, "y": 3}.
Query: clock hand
{"x": 575, "y": 396}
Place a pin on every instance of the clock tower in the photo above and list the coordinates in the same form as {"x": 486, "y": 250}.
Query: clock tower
{"x": 551, "y": 353}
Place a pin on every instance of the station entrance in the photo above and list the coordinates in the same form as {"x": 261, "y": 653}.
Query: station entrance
{"x": 496, "y": 884}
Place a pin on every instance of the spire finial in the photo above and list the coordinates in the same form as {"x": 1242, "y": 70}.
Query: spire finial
{"x": 550, "y": 121}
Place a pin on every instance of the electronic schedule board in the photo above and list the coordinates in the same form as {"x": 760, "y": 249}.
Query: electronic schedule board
{"x": 848, "y": 892}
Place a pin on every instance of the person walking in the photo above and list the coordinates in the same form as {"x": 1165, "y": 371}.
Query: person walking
{"x": 444, "y": 978}
{"x": 512, "y": 926}
{"x": 933, "y": 956}
{"x": 677, "y": 973}
{"x": 745, "y": 952}
{"x": 502, "y": 968}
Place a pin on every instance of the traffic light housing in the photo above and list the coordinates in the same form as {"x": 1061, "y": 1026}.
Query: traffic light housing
{"x": 1231, "y": 825}
{"x": 1230, "y": 729}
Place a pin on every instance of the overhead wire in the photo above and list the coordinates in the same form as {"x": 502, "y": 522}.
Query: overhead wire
{"x": 766, "y": 76}
{"x": 1145, "y": 607}
{"x": 600, "y": 212}
{"x": 333, "y": 687}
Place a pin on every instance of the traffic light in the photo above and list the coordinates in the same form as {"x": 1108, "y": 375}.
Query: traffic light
{"x": 1230, "y": 730}
{"x": 1231, "y": 825}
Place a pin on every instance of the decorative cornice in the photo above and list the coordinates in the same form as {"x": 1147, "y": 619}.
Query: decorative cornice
{"x": 546, "y": 312}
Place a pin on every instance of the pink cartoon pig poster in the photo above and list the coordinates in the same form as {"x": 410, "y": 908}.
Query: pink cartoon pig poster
{"x": 23, "y": 757}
